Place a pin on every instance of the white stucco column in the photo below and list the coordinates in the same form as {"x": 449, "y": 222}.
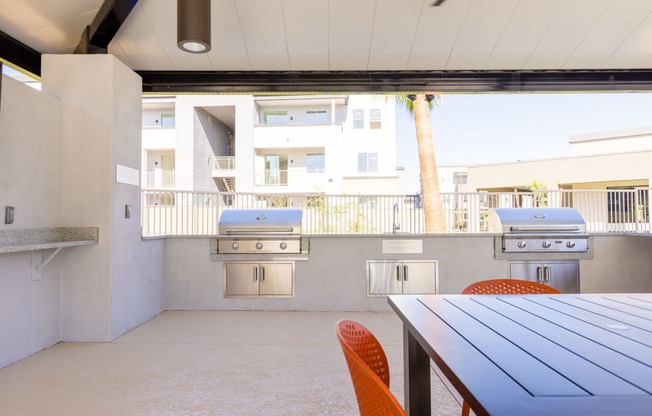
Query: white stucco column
{"x": 117, "y": 284}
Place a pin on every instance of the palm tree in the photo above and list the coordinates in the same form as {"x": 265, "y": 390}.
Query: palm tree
{"x": 420, "y": 105}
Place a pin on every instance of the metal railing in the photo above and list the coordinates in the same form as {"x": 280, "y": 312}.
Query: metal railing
{"x": 297, "y": 176}
{"x": 167, "y": 213}
{"x": 159, "y": 179}
{"x": 220, "y": 163}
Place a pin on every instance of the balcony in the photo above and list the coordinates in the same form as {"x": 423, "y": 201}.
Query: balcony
{"x": 290, "y": 177}
{"x": 223, "y": 166}
{"x": 159, "y": 179}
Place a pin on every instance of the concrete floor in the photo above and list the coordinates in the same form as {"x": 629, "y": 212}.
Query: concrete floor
{"x": 207, "y": 363}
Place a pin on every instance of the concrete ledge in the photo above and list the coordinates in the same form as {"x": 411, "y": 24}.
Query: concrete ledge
{"x": 12, "y": 241}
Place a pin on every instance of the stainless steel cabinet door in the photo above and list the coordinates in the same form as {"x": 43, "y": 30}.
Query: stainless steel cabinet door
{"x": 276, "y": 279}
{"x": 391, "y": 277}
{"x": 419, "y": 277}
{"x": 242, "y": 279}
{"x": 384, "y": 278}
{"x": 562, "y": 275}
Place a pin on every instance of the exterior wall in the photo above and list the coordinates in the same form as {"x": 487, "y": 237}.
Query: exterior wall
{"x": 192, "y": 155}
{"x": 333, "y": 277}
{"x": 336, "y": 138}
{"x": 565, "y": 172}
{"x": 30, "y": 180}
{"x": 617, "y": 141}
{"x": 116, "y": 285}
{"x": 381, "y": 141}
{"x": 211, "y": 138}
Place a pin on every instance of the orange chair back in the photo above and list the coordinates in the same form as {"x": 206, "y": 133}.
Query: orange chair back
{"x": 368, "y": 368}
{"x": 508, "y": 287}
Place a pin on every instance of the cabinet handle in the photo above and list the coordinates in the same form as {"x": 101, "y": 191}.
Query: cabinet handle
{"x": 546, "y": 274}
{"x": 255, "y": 274}
{"x": 398, "y": 273}
{"x": 262, "y": 274}
{"x": 539, "y": 274}
{"x": 405, "y": 273}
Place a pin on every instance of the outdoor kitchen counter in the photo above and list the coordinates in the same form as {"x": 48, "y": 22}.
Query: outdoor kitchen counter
{"x": 12, "y": 241}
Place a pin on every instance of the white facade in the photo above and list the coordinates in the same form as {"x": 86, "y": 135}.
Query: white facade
{"x": 603, "y": 160}
{"x": 330, "y": 144}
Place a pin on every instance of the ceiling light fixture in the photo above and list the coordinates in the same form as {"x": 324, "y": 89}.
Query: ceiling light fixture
{"x": 194, "y": 25}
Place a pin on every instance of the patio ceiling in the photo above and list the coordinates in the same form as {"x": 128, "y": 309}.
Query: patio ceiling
{"x": 344, "y": 45}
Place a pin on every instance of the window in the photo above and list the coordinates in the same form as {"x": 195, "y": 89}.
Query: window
{"x": 460, "y": 178}
{"x": 358, "y": 119}
{"x": 368, "y": 162}
{"x": 167, "y": 120}
{"x": 315, "y": 162}
{"x": 276, "y": 169}
{"x": 276, "y": 117}
{"x": 316, "y": 117}
{"x": 374, "y": 119}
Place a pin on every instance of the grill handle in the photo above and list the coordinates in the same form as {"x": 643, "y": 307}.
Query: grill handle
{"x": 529, "y": 228}
{"x": 259, "y": 231}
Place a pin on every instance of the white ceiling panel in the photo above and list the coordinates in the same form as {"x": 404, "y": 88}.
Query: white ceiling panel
{"x": 393, "y": 33}
{"x": 609, "y": 32}
{"x": 484, "y": 23}
{"x": 573, "y": 22}
{"x": 437, "y": 30}
{"x": 302, "y": 35}
{"x": 636, "y": 50}
{"x": 351, "y": 26}
{"x": 263, "y": 30}
{"x": 61, "y": 38}
{"x": 24, "y": 16}
{"x": 140, "y": 43}
{"x": 228, "y": 50}
{"x": 306, "y": 25}
{"x": 522, "y": 33}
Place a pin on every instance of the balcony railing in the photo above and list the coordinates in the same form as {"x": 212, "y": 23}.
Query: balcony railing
{"x": 223, "y": 163}
{"x": 159, "y": 179}
{"x": 291, "y": 177}
{"x": 197, "y": 213}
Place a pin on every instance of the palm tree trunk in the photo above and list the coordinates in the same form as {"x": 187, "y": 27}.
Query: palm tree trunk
{"x": 430, "y": 194}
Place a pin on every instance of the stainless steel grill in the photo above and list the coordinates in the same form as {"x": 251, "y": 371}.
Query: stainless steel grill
{"x": 260, "y": 231}
{"x": 527, "y": 230}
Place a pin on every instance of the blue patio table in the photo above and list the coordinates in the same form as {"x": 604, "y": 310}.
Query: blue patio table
{"x": 531, "y": 354}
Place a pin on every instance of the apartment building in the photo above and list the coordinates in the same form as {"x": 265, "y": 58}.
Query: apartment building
{"x": 333, "y": 144}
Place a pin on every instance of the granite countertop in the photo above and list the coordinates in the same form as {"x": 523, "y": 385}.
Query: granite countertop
{"x": 12, "y": 241}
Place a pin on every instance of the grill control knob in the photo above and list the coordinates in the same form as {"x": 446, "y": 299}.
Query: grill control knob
{"x": 522, "y": 244}
{"x": 545, "y": 244}
{"x": 570, "y": 244}
{"x": 283, "y": 245}
{"x": 235, "y": 246}
{"x": 259, "y": 246}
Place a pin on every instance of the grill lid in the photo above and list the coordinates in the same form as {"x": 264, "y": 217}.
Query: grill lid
{"x": 536, "y": 220}
{"x": 260, "y": 221}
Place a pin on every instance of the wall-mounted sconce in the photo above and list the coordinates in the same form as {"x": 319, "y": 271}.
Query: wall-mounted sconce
{"x": 194, "y": 25}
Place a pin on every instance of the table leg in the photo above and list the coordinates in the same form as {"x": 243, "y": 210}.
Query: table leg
{"x": 416, "y": 364}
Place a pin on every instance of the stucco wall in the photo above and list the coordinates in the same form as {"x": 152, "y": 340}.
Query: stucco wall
{"x": 334, "y": 277}
{"x": 30, "y": 180}
{"x": 58, "y": 152}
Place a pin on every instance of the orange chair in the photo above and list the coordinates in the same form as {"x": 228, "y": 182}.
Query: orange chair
{"x": 505, "y": 287}
{"x": 369, "y": 370}
{"x": 508, "y": 287}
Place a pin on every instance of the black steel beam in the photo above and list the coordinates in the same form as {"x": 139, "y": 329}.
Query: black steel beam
{"x": 19, "y": 54}
{"x": 105, "y": 25}
{"x": 397, "y": 81}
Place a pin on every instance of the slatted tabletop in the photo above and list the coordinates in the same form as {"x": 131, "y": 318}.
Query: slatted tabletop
{"x": 531, "y": 354}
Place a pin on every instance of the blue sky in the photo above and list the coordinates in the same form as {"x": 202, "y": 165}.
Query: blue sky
{"x": 471, "y": 129}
